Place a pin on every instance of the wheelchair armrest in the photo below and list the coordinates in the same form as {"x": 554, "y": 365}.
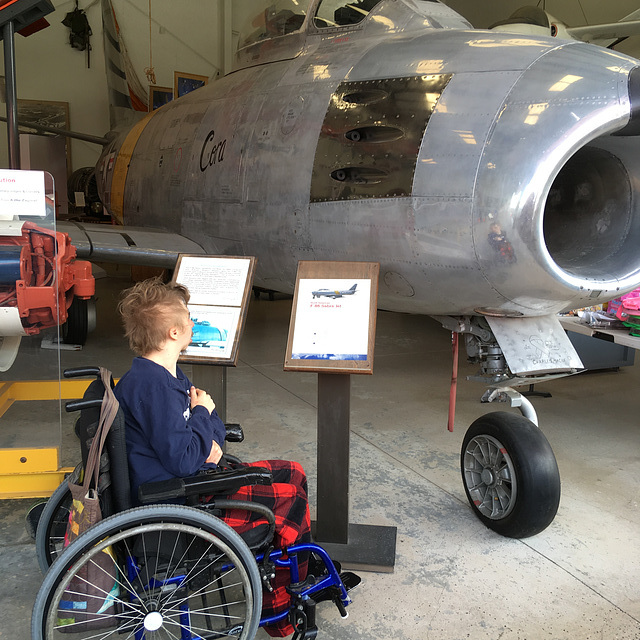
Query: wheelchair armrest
{"x": 218, "y": 482}
{"x": 234, "y": 432}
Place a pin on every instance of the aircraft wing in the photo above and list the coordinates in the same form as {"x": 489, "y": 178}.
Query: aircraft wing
{"x": 128, "y": 245}
{"x": 596, "y": 33}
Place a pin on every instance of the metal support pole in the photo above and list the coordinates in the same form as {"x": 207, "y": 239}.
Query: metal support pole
{"x": 357, "y": 546}
{"x": 334, "y": 393}
{"x": 8, "y": 32}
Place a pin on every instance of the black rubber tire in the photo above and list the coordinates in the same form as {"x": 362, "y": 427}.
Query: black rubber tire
{"x": 52, "y": 526}
{"x": 76, "y": 329}
{"x": 131, "y": 523}
{"x": 527, "y": 468}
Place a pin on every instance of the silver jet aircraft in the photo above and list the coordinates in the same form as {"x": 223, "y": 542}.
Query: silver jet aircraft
{"x": 494, "y": 176}
{"x": 334, "y": 293}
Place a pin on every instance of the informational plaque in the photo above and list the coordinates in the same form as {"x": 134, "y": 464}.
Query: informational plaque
{"x": 22, "y": 193}
{"x": 219, "y": 288}
{"x": 333, "y": 318}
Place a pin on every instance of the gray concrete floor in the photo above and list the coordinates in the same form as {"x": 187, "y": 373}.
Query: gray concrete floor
{"x": 453, "y": 578}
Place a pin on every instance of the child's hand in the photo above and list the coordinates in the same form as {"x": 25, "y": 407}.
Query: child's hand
{"x": 200, "y": 397}
{"x": 215, "y": 454}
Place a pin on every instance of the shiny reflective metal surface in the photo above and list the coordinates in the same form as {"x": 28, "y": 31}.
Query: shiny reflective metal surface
{"x": 518, "y": 198}
{"x": 370, "y": 138}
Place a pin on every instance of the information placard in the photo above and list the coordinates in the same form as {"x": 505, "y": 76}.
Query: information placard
{"x": 333, "y": 318}
{"x": 219, "y": 287}
{"x": 22, "y": 193}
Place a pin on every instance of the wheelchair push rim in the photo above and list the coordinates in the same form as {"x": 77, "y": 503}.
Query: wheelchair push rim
{"x": 52, "y": 526}
{"x": 205, "y": 586}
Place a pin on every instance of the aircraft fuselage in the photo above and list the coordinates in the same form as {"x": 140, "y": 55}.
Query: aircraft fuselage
{"x": 479, "y": 168}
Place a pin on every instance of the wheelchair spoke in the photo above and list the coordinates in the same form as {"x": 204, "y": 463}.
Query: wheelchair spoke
{"x": 153, "y": 576}
{"x": 171, "y": 635}
{"x": 217, "y": 590}
{"x": 192, "y": 629}
{"x": 206, "y": 612}
{"x": 201, "y": 591}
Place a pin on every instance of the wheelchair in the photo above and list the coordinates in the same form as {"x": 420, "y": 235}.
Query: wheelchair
{"x": 171, "y": 570}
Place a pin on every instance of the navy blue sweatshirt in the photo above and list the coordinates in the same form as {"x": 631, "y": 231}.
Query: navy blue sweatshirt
{"x": 165, "y": 438}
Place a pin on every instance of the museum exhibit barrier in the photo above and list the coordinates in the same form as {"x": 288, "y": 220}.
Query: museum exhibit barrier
{"x": 42, "y": 287}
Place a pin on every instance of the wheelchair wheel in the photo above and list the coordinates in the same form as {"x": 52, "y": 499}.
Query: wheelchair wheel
{"x": 175, "y": 572}
{"x": 52, "y": 526}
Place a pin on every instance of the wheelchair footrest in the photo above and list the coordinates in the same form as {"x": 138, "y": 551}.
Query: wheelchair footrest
{"x": 349, "y": 580}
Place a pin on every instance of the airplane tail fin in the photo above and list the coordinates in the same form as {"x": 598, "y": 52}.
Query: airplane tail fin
{"x": 128, "y": 99}
{"x": 354, "y": 287}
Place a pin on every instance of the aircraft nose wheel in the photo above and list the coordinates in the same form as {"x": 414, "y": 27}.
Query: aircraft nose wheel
{"x": 510, "y": 475}
{"x": 489, "y": 477}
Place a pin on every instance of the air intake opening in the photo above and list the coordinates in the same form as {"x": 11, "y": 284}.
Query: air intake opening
{"x": 590, "y": 226}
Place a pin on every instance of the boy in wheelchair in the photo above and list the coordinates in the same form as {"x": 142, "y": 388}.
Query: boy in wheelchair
{"x": 173, "y": 430}
{"x": 167, "y": 570}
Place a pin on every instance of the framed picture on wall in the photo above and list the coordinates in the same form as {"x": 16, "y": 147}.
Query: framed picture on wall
{"x": 159, "y": 96}
{"x": 184, "y": 83}
{"x": 47, "y": 113}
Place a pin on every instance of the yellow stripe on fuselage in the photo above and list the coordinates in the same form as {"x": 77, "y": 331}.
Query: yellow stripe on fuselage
{"x": 121, "y": 167}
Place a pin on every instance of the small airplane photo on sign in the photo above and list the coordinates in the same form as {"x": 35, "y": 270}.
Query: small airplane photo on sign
{"x": 331, "y": 293}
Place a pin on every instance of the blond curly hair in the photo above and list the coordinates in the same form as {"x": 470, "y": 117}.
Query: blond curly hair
{"x": 149, "y": 310}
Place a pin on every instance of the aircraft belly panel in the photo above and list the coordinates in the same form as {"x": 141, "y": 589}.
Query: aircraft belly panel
{"x": 384, "y": 227}
{"x": 412, "y": 264}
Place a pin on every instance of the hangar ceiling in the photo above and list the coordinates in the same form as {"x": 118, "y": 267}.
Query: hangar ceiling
{"x": 483, "y": 13}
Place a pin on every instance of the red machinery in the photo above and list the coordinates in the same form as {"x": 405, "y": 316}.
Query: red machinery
{"x": 39, "y": 276}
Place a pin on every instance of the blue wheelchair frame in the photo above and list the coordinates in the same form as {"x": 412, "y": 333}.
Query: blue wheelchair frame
{"x": 281, "y": 558}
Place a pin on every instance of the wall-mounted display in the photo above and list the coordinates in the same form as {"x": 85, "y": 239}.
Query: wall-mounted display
{"x": 46, "y": 113}
{"x": 159, "y": 96}
{"x": 184, "y": 83}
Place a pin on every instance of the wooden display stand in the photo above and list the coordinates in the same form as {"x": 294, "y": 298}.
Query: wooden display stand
{"x": 332, "y": 333}
{"x": 219, "y": 287}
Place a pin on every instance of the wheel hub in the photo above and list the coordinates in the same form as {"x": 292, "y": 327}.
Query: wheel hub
{"x": 488, "y": 477}
{"x": 153, "y": 621}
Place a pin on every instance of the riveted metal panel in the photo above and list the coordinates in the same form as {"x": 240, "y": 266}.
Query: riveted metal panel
{"x": 454, "y": 142}
{"x": 371, "y": 136}
{"x": 549, "y": 116}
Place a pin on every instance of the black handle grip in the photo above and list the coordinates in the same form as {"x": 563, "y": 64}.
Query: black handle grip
{"x": 79, "y": 405}
{"x": 81, "y": 372}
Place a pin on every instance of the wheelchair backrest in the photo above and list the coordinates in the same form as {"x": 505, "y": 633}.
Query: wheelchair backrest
{"x": 113, "y": 483}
